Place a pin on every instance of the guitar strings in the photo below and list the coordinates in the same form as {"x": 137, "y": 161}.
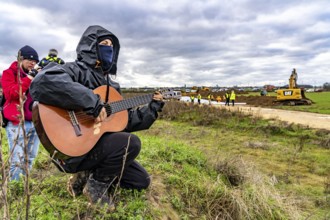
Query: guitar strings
{"x": 116, "y": 107}
{"x": 82, "y": 117}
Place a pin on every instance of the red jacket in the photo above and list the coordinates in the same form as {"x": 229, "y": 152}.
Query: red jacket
{"x": 10, "y": 88}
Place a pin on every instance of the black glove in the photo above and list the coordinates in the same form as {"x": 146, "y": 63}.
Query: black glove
{"x": 157, "y": 105}
{"x": 33, "y": 72}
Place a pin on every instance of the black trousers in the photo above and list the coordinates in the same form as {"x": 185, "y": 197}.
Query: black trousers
{"x": 113, "y": 159}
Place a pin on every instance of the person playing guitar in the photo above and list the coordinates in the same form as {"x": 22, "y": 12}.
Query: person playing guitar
{"x": 85, "y": 125}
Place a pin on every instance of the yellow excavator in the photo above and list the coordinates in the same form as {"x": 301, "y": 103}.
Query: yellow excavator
{"x": 293, "y": 95}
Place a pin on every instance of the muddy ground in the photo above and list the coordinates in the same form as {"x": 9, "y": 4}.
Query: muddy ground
{"x": 261, "y": 106}
{"x": 252, "y": 100}
{"x": 243, "y": 97}
{"x": 261, "y": 101}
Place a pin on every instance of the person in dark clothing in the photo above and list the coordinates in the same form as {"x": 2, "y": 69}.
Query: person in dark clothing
{"x": 51, "y": 57}
{"x": 70, "y": 86}
{"x": 227, "y": 96}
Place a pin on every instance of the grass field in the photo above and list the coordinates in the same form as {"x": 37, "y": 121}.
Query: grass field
{"x": 205, "y": 163}
{"x": 321, "y": 103}
{"x": 291, "y": 156}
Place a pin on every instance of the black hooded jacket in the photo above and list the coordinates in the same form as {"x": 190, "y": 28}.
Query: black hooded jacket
{"x": 70, "y": 86}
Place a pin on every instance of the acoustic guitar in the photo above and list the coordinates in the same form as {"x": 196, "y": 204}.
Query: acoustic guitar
{"x": 74, "y": 133}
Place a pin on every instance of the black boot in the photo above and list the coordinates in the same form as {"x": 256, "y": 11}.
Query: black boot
{"x": 97, "y": 192}
{"x": 77, "y": 182}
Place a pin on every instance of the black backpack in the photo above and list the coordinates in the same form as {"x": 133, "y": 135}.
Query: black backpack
{"x": 4, "y": 120}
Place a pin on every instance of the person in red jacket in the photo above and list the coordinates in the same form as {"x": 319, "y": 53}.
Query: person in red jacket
{"x": 12, "y": 86}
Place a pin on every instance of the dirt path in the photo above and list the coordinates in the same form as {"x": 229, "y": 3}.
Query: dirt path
{"x": 312, "y": 120}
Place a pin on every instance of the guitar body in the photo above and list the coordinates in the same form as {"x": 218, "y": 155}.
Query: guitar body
{"x": 58, "y": 135}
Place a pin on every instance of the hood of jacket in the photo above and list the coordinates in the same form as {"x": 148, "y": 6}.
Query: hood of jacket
{"x": 87, "y": 49}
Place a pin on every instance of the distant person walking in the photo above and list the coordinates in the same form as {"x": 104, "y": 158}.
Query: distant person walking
{"x": 210, "y": 97}
{"x": 227, "y": 96}
{"x": 232, "y": 97}
{"x": 199, "y": 97}
{"x": 192, "y": 98}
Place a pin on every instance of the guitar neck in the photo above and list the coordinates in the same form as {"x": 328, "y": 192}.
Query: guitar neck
{"x": 121, "y": 105}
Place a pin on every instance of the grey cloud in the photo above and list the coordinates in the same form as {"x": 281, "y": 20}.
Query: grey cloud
{"x": 176, "y": 42}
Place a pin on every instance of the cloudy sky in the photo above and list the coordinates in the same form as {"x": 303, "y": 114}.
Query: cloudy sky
{"x": 183, "y": 42}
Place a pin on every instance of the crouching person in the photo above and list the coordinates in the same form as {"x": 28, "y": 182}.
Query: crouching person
{"x": 70, "y": 86}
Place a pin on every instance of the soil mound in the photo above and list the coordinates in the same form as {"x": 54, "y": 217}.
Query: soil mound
{"x": 253, "y": 100}
{"x": 257, "y": 100}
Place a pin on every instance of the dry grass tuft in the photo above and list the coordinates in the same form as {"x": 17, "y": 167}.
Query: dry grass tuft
{"x": 325, "y": 143}
{"x": 257, "y": 145}
{"x": 250, "y": 194}
{"x": 233, "y": 170}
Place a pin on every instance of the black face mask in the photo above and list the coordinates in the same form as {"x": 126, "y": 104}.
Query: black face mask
{"x": 106, "y": 54}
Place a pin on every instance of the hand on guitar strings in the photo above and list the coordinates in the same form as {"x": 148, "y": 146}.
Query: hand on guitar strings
{"x": 102, "y": 116}
{"x": 158, "y": 96}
